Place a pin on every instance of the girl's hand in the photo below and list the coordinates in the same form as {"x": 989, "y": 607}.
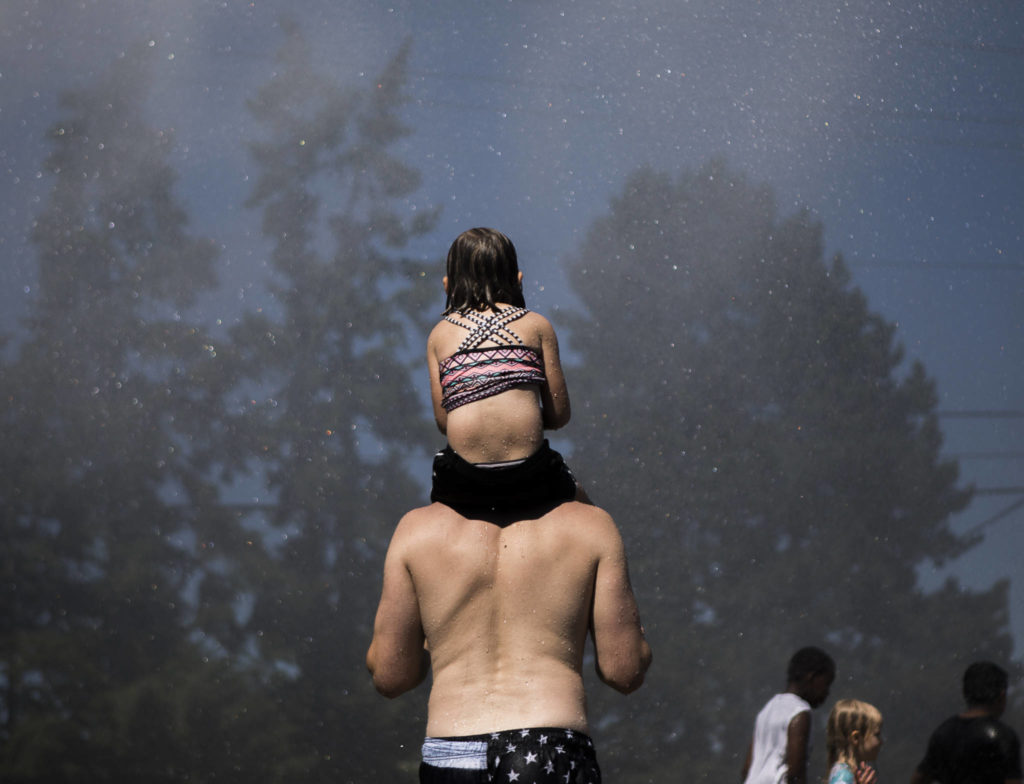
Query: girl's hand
{"x": 865, "y": 774}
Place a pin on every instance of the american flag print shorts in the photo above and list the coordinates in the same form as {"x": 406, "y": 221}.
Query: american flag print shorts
{"x": 539, "y": 755}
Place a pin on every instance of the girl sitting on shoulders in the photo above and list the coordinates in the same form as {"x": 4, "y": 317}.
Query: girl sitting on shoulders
{"x": 496, "y": 384}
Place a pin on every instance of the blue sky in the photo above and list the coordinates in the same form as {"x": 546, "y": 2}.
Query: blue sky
{"x": 899, "y": 125}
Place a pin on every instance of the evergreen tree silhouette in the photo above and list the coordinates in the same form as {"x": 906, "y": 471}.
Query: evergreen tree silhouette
{"x": 775, "y": 467}
{"x": 334, "y": 414}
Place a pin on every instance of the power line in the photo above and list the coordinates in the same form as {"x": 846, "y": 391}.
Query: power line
{"x": 1001, "y": 146}
{"x": 980, "y": 414}
{"x": 918, "y": 113}
{"x": 924, "y": 266}
{"x": 977, "y": 527}
{"x": 974, "y": 46}
{"x": 986, "y": 455}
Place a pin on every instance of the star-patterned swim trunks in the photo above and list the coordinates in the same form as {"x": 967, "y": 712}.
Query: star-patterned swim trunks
{"x": 541, "y": 755}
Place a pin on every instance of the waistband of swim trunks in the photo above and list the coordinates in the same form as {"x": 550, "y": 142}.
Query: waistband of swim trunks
{"x": 455, "y": 753}
{"x": 552, "y": 732}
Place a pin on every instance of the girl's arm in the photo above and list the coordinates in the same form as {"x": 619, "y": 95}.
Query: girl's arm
{"x": 440, "y": 415}
{"x": 554, "y": 395}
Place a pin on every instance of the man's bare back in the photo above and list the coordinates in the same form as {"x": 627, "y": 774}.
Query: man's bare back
{"x": 505, "y": 607}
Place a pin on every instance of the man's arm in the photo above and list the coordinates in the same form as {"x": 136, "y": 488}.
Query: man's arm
{"x": 397, "y": 659}
{"x": 622, "y": 655}
{"x": 1013, "y": 770}
{"x": 924, "y": 773}
{"x": 797, "y": 736}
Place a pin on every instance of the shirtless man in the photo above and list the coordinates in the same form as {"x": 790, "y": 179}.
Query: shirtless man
{"x": 500, "y": 609}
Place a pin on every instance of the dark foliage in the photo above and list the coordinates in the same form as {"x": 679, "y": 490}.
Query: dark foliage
{"x": 332, "y": 416}
{"x": 154, "y": 628}
{"x": 101, "y": 496}
{"x": 773, "y": 462}
{"x": 775, "y": 468}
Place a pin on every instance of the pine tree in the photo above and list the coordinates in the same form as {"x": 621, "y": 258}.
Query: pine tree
{"x": 335, "y": 418}
{"x": 104, "y": 488}
{"x": 776, "y": 468}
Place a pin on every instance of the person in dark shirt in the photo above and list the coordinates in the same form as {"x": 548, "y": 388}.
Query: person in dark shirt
{"x": 974, "y": 747}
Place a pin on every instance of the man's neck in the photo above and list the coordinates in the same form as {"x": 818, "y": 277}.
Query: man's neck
{"x": 978, "y": 712}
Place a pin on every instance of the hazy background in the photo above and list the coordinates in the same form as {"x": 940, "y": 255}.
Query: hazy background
{"x": 898, "y": 126}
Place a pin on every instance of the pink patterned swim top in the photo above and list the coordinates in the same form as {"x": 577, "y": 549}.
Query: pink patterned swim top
{"x": 474, "y": 372}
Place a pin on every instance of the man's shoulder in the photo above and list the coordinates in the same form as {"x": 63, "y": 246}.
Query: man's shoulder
{"x": 422, "y": 522}
{"x": 979, "y": 728}
{"x": 951, "y": 725}
{"x": 584, "y": 525}
{"x": 993, "y": 729}
{"x": 588, "y": 513}
{"x": 585, "y": 521}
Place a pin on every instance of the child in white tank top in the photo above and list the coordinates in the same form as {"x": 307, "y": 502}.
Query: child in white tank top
{"x": 781, "y": 742}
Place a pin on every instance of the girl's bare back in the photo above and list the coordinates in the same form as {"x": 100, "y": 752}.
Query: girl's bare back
{"x": 509, "y": 425}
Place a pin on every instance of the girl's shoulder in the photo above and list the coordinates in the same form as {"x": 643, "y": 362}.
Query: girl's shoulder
{"x": 441, "y": 328}
{"x": 841, "y": 773}
{"x": 533, "y": 321}
{"x": 521, "y": 319}
{"x": 443, "y": 339}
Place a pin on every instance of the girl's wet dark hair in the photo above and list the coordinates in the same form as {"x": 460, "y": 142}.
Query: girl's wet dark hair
{"x": 482, "y": 270}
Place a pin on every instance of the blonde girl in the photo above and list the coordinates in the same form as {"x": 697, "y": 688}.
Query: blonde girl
{"x": 854, "y": 737}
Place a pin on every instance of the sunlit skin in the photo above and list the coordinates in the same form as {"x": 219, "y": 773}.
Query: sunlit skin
{"x": 865, "y": 774}
{"x": 868, "y": 745}
{"x": 509, "y": 425}
{"x": 504, "y": 611}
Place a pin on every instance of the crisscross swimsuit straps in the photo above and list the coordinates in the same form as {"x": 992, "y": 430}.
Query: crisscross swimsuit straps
{"x": 474, "y": 372}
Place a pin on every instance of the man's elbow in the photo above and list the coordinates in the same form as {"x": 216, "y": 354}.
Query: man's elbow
{"x": 626, "y": 676}
{"x": 391, "y": 687}
{"x": 392, "y": 682}
{"x": 623, "y": 683}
